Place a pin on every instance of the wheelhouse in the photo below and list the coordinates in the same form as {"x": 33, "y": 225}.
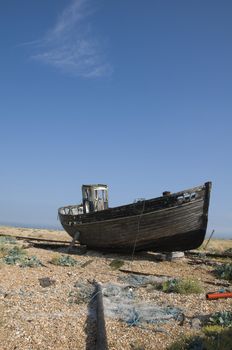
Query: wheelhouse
{"x": 94, "y": 197}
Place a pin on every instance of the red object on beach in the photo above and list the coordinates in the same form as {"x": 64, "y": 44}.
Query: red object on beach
{"x": 218, "y": 295}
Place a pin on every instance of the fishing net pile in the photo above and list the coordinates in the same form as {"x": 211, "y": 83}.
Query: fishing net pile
{"x": 120, "y": 302}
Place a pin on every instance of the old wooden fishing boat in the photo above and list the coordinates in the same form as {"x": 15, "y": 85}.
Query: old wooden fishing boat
{"x": 173, "y": 222}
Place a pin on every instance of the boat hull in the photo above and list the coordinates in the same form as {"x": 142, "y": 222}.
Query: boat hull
{"x": 165, "y": 227}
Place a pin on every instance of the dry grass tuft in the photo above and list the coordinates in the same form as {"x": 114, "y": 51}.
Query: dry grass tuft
{"x": 185, "y": 286}
{"x": 63, "y": 260}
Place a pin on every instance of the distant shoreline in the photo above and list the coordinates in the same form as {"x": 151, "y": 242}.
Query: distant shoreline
{"x": 57, "y": 227}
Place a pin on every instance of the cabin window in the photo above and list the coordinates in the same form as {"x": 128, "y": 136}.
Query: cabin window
{"x": 86, "y": 194}
{"x": 102, "y": 195}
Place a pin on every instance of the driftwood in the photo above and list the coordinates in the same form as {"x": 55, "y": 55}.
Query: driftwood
{"x": 205, "y": 262}
{"x": 212, "y": 255}
{"x": 35, "y": 239}
{"x": 215, "y": 283}
{"x": 143, "y": 273}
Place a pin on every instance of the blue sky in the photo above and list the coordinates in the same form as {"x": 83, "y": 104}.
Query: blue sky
{"x": 135, "y": 94}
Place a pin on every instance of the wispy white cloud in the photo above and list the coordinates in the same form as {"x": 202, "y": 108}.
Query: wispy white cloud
{"x": 70, "y": 45}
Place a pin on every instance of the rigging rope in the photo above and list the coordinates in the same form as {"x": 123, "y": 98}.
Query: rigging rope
{"x": 136, "y": 237}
